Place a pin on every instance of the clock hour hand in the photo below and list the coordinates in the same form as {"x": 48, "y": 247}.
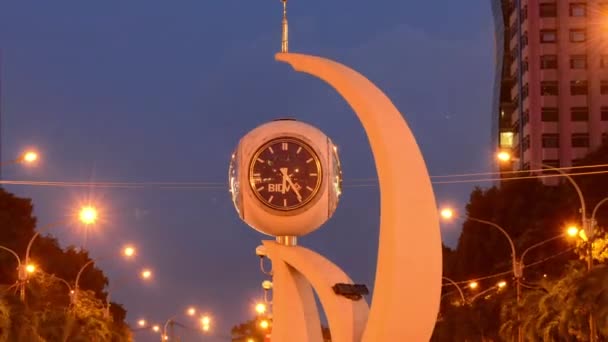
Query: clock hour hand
{"x": 284, "y": 172}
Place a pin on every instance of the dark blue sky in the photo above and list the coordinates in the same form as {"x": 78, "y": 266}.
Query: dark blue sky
{"x": 161, "y": 91}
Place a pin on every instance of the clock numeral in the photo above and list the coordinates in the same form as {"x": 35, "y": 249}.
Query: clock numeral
{"x": 260, "y": 160}
{"x": 313, "y": 174}
{"x": 309, "y": 188}
{"x": 309, "y": 160}
{"x": 260, "y": 188}
{"x": 284, "y": 202}
{"x": 284, "y": 146}
{"x": 270, "y": 149}
{"x": 299, "y": 150}
{"x": 270, "y": 199}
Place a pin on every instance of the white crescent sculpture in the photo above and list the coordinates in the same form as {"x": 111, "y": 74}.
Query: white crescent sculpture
{"x": 407, "y": 287}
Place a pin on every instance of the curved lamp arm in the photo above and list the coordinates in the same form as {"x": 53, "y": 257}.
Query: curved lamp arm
{"x": 523, "y": 255}
{"x": 597, "y": 206}
{"x": 504, "y": 232}
{"x": 80, "y": 273}
{"x": 13, "y": 253}
{"x": 576, "y": 187}
{"x": 457, "y": 287}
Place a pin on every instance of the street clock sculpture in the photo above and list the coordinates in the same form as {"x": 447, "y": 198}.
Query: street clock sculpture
{"x": 285, "y": 178}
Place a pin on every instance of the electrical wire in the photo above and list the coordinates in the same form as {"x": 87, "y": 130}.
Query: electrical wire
{"x": 224, "y": 186}
{"x": 510, "y": 271}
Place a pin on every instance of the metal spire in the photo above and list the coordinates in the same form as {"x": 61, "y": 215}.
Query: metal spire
{"x": 285, "y": 34}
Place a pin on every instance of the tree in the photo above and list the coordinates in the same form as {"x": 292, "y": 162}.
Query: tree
{"x": 558, "y": 292}
{"x": 47, "y": 314}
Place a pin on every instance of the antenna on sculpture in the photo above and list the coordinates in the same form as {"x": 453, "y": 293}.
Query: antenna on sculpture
{"x": 285, "y": 33}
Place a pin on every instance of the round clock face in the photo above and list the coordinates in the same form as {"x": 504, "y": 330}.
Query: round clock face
{"x": 285, "y": 174}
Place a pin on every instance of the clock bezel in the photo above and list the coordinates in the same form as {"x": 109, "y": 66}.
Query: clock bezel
{"x": 317, "y": 161}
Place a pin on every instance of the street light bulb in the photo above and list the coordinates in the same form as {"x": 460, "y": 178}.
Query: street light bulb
{"x": 502, "y": 284}
{"x": 128, "y": 251}
{"x": 264, "y": 324}
{"x": 267, "y": 285}
{"x": 88, "y": 215}
{"x": 205, "y": 320}
{"x": 447, "y": 213}
{"x": 503, "y": 156}
{"x": 191, "y": 311}
{"x": 156, "y": 328}
{"x": 30, "y": 268}
{"x": 260, "y": 308}
{"x": 250, "y": 340}
{"x": 572, "y": 231}
{"x": 141, "y": 323}
{"x": 30, "y": 157}
{"x": 146, "y": 274}
{"x": 473, "y": 285}
{"x": 206, "y": 328}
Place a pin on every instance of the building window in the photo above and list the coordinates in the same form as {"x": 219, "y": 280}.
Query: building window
{"x": 550, "y": 140}
{"x": 579, "y": 113}
{"x": 578, "y": 9}
{"x": 603, "y": 87}
{"x": 506, "y": 139}
{"x": 526, "y": 117}
{"x": 605, "y": 137}
{"x": 549, "y": 114}
{"x": 524, "y": 40}
{"x": 578, "y": 87}
{"x": 580, "y": 140}
{"x": 578, "y": 35}
{"x": 548, "y": 10}
{"x": 604, "y": 61}
{"x": 549, "y": 61}
{"x": 578, "y": 62}
{"x": 548, "y": 88}
{"x": 548, "y": 36}
{"x": 604, "y": 111}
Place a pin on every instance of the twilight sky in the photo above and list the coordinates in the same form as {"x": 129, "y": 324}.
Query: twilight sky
{"x": 161, "y": 91}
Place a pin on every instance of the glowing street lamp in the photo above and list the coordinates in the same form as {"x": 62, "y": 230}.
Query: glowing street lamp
{"x": 128, "y": 251}
{"x": 206, "y": 320}
{"x": 146, "y": 274}
{"x": 30, "y": 268}
{"x": 191, "y": 311}
{"x": 260, "y": 308}
{"x": 572, "y": 231}
{"x": 29, "y": 157}
{"x": 504, "y": 156}
{"x": 473, "y": 285}
{"x": 264, "y": 324}
{"x": 501, "y": 284}
{"x": 156, "y": 328}
{"x": 88, "y": 215}
{"x": 141, "y": 323}
{"x": 447, "y": 213}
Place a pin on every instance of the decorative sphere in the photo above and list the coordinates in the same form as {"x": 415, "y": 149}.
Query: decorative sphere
{"x": 285, "y": 178}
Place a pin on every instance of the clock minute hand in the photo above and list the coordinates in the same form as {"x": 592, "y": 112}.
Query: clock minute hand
{"x": 293, "y": 187}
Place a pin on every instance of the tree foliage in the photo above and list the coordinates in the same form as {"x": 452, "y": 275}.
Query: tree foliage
{"x": 557, "y": 293}
{"x": 47, "y": 314}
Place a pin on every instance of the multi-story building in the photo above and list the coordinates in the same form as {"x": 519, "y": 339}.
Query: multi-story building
{"x": 551, "y": 94}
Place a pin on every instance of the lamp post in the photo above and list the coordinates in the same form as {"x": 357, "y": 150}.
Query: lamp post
{"x": 586, "y": 224}
{"x": 517, "y": 263}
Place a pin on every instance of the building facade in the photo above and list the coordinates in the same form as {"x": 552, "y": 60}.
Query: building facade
{"x": 551, "y": 94}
